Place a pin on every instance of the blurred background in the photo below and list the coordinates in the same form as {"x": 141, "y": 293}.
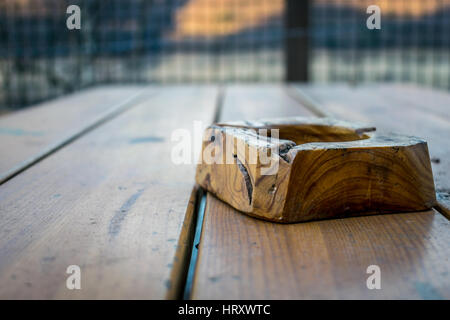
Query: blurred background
{"x": 217, "y": 41}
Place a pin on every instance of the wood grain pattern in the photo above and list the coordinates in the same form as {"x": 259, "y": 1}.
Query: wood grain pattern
{"x": 245, "y": 258}
{"x": 405, "y": 109}
{"x": 111, "y": 202}
{"x": 27, "y": 135}
{"x": 315, "y": 168}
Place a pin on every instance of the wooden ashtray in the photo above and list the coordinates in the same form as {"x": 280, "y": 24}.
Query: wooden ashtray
{"x": 317, "y": 168}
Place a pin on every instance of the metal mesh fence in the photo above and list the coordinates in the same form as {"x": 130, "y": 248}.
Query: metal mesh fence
{"x": 413, "y": 44}
{"x": 203, "y": 41}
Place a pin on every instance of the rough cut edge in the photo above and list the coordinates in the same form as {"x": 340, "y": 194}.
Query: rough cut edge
{"x": 292, "y": 121}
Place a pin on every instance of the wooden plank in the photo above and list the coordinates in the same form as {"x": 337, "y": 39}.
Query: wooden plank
{"x": 244, "y": 258}
{"x": 252, "y": 102}
{"x": 403, "y": 109}
{"x": 112, "y": 202}
{"x": 28, "y": 135}
{"x": 428, "y": 99}
{"x": 182, "y": 257}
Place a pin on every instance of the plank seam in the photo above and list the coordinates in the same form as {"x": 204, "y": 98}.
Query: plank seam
{"x": 306, "y": 101}
{"x": 219, "y": 104}
{"x": 441, "y": 206}
{"x": 180, "y": 268}
{"x": 199, "y": 218}
{"x": 199, "y": 213}
{"x": 103, "y": 118}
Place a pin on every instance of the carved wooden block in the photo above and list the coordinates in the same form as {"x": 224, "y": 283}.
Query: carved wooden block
{"x": 316, "y": 168}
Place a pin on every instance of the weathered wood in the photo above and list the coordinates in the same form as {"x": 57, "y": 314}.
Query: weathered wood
{"x": 417, "y": 97}
{"x": 182, "y": 257}
{"x": 315, "y": 168}
{"x": 29, "y": 135}
{"x": 406, "y": 109}
{"x": 245, "y": 258}
{"x": 111, "y": 202}
{"x": 249, "y": 101}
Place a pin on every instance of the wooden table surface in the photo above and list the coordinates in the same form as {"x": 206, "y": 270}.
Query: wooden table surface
{"x": 88, "y": 180}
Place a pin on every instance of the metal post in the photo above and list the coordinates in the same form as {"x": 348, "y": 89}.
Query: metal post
{"x": 296, "y": 45}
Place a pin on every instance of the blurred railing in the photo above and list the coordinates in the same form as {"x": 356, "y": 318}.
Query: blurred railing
{"x": 204, "y": 41}
{"x": 413, "y": 44}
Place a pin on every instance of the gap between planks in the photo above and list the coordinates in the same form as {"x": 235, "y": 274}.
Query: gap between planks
{"x": 185, "y": 261}
{"x": 71, "y": 137}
